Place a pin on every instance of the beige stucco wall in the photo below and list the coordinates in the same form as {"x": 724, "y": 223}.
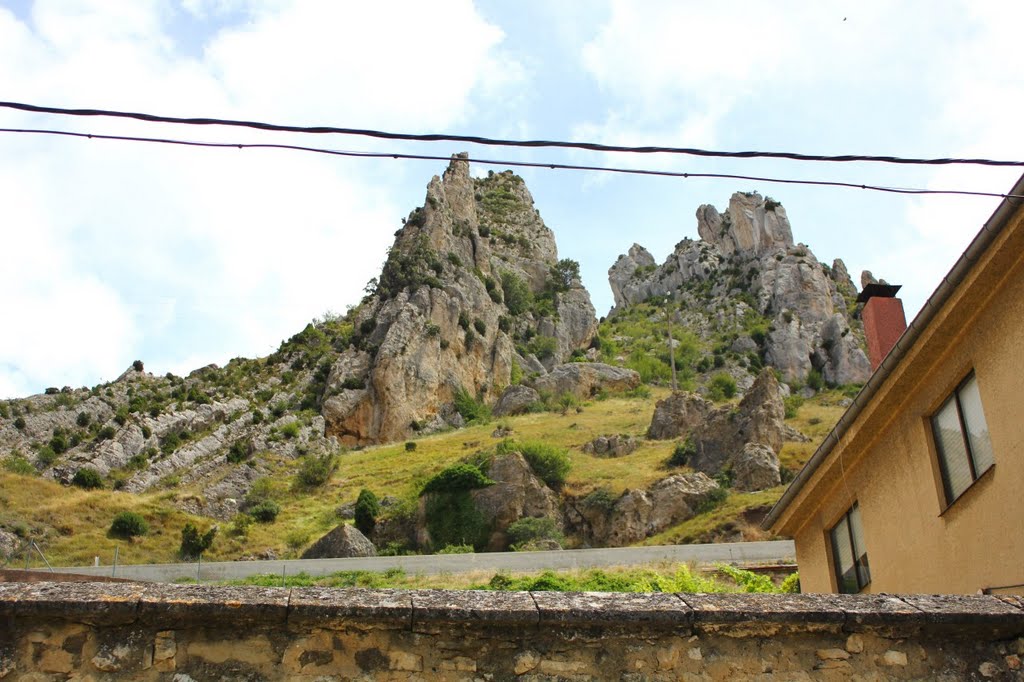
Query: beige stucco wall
{"x": 888, "y": 464}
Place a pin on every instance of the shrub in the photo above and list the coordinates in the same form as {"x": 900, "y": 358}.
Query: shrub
{"x": 715, "y": 498}
{"x": 814, "y": 380}
{"x": 549, "y": 462}
{"x": 266, "y": 511}
{"x": 19, "y": 423}
{"x": 531, "y": 529}
{"x": 146, "y": 431}
{"x": 316, "y": 470}
{"x": 194, "y": 543}
{"x": 793, "y": 404}
{"x": 290, "y": 430}
{"x": 366, "y": 512}
{"x": 17, "y": 464}
{"x": 257, "y": 416}
{"x": 58, "y": 443}
{"x": 138, "y": 366}
{"x": 87, "y": 479}
{"x": 453, "y": 519}
{"x": 791, "y": 584}
{"x": 46, "y": 456}
{"x": 543, "y": 347}
{"x": 682, "y": 453}
{"x": 410, "y": 445}
{"x": 239, "y": 451}
{"x": 469, "y": 407}
{"x": 480, "y": 327}
{"x": 456, "y": 549}
{"x": 721, "y": 387}
{"x": 128, "y": 525}
{"x": 518, "y": 297}
{"x": 457, "y": 478}
{"x": 83, "y": 419}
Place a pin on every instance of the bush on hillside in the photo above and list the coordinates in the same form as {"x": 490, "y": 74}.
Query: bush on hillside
{"x": 194, "y": 543}
{"x": 550, "y": 463}
{"x": 721, "y": 387}
{"x": 366, "y": 512}
{"x": 457, "y": 478}
{"x": 128, "y": 524}
{"x": 265, "y": 511}
{"x": 316, "y": 470}
{"x": 87, "y": 479}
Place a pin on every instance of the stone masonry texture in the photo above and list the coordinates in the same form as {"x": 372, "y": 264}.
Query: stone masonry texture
{"x": 112, "y": 631}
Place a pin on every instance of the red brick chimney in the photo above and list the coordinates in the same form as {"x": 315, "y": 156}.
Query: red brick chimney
{"x": 884, "y": 321}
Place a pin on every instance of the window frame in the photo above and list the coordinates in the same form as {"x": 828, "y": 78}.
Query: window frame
{"x": 942, "y": 458}
{"x": 859, "y": 566}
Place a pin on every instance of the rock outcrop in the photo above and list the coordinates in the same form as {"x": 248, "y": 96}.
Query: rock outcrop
{"x": 342, "y": 542}
{"x": 744, "y": 268}
{"x": 585, "y": 380}
{"x": 677, "y": 415}
{"x": 515, "y": 400}
{"x": 638, "y": 514}
{"x": 617, "y": 445}
{"x": 744, "y": 440}
{"x": 515, "y": 494}
{"x": 472, "y": 286}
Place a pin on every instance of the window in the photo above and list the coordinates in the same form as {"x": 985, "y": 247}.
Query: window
{"x": 962, "y": 439}
{"x": 848, "y": 553}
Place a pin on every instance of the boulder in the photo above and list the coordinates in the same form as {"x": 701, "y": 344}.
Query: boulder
{"x": 515, "y": 400}
{"x": 755, "y": 468}
{"x": 516, "y": 493}
{"x": 342, "y": 542}
{"x": 586, "y": 379}
{"x": 611, "y": 446}
{"x": 726, "y": 431}
{"x": 638, "y": 514}
{"x": 9, "y": 544}
{"x": 677, "y": 415}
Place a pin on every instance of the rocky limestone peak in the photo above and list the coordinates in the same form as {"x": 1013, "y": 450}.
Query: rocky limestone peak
{"x": 747, "y": 281}
{"x": 472, "y": 286}
{"x": 752, "y": 225}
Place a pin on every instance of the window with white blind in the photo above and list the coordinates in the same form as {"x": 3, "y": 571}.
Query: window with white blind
{"x": 848, "y": 553}
{"x": 962, "y": 439}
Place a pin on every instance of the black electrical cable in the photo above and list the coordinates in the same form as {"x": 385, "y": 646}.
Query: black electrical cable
{"x": 494, "y": 142}
{"x": 518, "y": 164}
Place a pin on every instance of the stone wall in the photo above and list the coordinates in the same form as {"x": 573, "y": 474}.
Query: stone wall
{"x": 91, "y": 631}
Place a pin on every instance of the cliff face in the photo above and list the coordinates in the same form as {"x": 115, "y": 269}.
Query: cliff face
{"x": 746, "y": 265}
{"x": 472, "y": 285}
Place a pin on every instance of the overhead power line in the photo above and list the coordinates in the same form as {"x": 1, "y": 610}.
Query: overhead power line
{"x": 497, "y": 142}
{"x": 515, "y": 164}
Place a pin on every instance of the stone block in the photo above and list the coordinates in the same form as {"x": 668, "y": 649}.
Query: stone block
{"x": 612, "y": 610}
{"x": 167, "y": 606}
{"x": 474, "y": 608}
{"x": 334, "y": 608}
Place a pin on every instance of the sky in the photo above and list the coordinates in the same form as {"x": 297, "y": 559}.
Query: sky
{"x": 182, "y": 257}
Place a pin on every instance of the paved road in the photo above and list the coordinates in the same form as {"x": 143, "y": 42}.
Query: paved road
{"x": 739, "y": 552}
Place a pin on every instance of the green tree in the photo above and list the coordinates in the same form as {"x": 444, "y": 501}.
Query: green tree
{"x": 367, "y": 510}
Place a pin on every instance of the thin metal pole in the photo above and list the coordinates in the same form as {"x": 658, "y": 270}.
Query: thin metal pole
{"x": 284, "y": 571}
{"x": 42, "y": 555}
{"x": 672, "y": 352}
{"x": 199, "y": 569}
{"x": 113, "y": 571}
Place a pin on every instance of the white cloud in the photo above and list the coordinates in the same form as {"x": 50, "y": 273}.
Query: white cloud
{"x": 115, "y": 251}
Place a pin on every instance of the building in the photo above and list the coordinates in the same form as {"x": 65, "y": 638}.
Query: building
{"x": 919, "y": 488}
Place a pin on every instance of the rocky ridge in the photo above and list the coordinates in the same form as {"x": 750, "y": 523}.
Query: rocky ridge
{"x": 472, "y": 288}
{"x": 745, "y": 276}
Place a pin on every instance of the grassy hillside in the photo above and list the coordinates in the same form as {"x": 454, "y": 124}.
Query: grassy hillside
{"x": 72, "y": 525}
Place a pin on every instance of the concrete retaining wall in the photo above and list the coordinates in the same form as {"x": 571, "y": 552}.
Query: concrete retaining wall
{"x": 83, "y": 631}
